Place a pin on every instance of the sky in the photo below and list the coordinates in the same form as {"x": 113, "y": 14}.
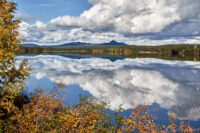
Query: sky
{"x": 135, "y": 22}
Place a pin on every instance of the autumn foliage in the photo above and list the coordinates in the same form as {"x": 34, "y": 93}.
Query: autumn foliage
{"x": 40, "y": 112}
{"x": 47, "y": 113}
{"x": 11, "y": 76}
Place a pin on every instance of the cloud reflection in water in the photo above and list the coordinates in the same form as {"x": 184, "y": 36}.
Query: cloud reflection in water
{"x": 174, "y": 85}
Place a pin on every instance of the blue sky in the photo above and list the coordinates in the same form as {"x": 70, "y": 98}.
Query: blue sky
{"x": 45, "y": 10}
{"x": 135, "y": 22}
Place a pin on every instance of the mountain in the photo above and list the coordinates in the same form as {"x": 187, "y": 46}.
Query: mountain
{"x": 78, "y": 44}
{"x": 73, "y": 44}
{"x": 30, "y": 45}
{"x": 113, "y": 43}
{"x": 82, "y": 44}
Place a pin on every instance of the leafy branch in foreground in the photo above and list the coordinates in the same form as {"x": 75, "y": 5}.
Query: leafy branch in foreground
{"x": 47, "y": 113}
{"x": 11, "y": 75}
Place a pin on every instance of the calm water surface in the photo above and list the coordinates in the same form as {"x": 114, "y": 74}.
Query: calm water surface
{"x": 166, "y": 86}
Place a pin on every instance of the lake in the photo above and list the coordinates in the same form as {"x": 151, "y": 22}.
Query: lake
{"x": 165, "y": 86}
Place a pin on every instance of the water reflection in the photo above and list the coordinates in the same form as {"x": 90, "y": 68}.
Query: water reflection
{"x": 174, "y": 85}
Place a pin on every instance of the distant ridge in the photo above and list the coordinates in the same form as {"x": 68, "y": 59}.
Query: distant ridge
{"x": 30, "y": 45}
{"x": 73, "y": 44}
{"x": 113, "y": 43}
{"x": 78, "y": 44}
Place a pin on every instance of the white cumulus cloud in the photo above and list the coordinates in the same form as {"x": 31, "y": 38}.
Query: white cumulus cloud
{"x": 133, "y": 21}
